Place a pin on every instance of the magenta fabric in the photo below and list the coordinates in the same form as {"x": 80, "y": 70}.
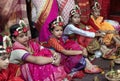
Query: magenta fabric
{"x": 34, "y": 72}
{"x": 71, "y": 62}
{"x": 44, "y": 32}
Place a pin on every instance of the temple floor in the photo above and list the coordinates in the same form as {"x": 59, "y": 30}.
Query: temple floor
{"x": 104, "y": 64}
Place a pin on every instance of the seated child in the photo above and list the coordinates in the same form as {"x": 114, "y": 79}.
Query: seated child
{"x": 98, "y": 23}
{"x": 36, "y": 62}
{"x": 72, "y": 54}
{"x": 8, "y": 71}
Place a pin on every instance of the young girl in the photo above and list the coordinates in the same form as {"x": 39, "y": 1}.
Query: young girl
{"x": 37, "y": 63}
{"x": 71, "y": 52}
{"x": 85, "y": 35}
{"x": 8, "y": 71}
{"x": 111, "y": 37}
{"x": 97, "y": 22}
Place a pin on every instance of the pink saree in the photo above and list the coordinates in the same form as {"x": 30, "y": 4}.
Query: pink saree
{"x": 48, "y": 12}
{"x": 33, "y": 72}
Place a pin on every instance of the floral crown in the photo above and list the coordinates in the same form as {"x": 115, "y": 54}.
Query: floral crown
{"x": 23, "y": 28}
{"x": 96, "y": 6}
{"x": 58, "y": 22}
{"x": 74, "y": 11}
{"x": 7, "y": 44}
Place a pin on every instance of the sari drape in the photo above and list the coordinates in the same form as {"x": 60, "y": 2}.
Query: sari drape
{"x": 47, "y": 11}
{"x": 65, "y": 6}
{"x": 35, "y": 72}
{"x": 11, "y": 12}
{"x": 102, "y": 25}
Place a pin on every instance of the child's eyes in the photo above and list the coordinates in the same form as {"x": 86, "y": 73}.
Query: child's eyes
{"x": 59, "y": 30}
{"x": 3, "y": 58}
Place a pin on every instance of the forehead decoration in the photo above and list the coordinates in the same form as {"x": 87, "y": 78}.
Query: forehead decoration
{"x": 6, "y": 47}
{"x": 96, "y": 7}
{"x": 58, "y": 22}
{"x": 22, "y": 28}
{"x": 74, "y": 11}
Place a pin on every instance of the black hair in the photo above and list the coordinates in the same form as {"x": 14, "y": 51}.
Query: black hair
{"x": 51, "y": 28}
{"x": 2, "y": 49}
{"x": 13, "y": 29}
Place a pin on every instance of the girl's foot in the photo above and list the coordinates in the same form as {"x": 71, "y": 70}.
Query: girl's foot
{"x": 94, "y": 69}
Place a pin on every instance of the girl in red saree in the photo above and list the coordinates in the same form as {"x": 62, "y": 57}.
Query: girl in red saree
{"x": 37, "y": 62}
{"x": 72, "y": 54}
{"x": 98, "y": 23}
{"x": 8, "y": 71}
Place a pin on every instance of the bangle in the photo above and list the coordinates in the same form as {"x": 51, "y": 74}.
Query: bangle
{"x": 53, "y": 62}
{"x": 54, "y": 56}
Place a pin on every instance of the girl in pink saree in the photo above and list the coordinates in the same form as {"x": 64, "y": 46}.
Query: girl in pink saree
{"x": 37, "y": 63}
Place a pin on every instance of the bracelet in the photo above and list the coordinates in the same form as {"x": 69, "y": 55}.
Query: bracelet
{"x": 53, "y": 62}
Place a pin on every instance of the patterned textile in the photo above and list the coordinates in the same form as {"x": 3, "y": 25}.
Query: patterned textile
{"x": 65, "y": 6}
{"x": 34, "y": 72}
{"x": 46, "y": 11}
{"x": 9, "y": 74}
{"x": 74, "y": 61}
{"x": 85, "y": 9}
{"x": 12, "y": 11}
{"x": 105, "y": 7}
{"x": 102, "y": 25}
{"x": 93, "y": 46}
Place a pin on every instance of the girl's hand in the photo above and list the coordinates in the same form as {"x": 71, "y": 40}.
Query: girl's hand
{"x": 57, "y": 59}
{"x": 85, "y": 52}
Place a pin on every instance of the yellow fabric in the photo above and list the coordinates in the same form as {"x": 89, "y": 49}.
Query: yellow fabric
{"x": 102, "y": 25}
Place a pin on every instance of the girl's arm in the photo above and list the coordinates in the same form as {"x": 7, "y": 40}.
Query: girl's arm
{"x": 78, "y": 31}
{"x": 39, "y": 59}
{"x": 21, "y": 55}
{"x": 71, "y": 52}
{"x": 55, "y": 44}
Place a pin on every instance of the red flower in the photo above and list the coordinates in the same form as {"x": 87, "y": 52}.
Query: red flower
{"x": 25, "y": 29}
{"x": 60, "y": 23}
{"x": 16, "y": 33}
{"x": 8, "y": 49}
{"x": 77, "y": 11}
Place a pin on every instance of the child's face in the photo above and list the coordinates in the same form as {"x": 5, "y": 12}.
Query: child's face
{"x": 96, "y": 13}
{"x": 22, "y": 38}
{"x": 75, "y": 19}
{"x": 4, "y": 61}
{"x": 57, "y": 31}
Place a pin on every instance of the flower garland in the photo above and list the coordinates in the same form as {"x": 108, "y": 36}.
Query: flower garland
{"x": 21, "y": 29}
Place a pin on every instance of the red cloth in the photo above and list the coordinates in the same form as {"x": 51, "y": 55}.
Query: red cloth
{"x": 91, "y": 23}
{"x": 105, "y": 7}
{"x": 84, "y": 41}
{"x": 9, "y": 74}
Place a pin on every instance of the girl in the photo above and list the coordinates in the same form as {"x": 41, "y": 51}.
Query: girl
{"x": 98, "y": 23}
{"x": 71, "y": 52}
{"x": 85, "y": 35}
{"x": 37, "y": 62}
{"x": 8, "y": 71}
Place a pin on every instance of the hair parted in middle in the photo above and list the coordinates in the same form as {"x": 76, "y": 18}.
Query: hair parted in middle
{"x": 96, "y": 7}
{"x": 74, "y": 11}
{"x": 16, "y": 29}
{"x": 57, "y": 22}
